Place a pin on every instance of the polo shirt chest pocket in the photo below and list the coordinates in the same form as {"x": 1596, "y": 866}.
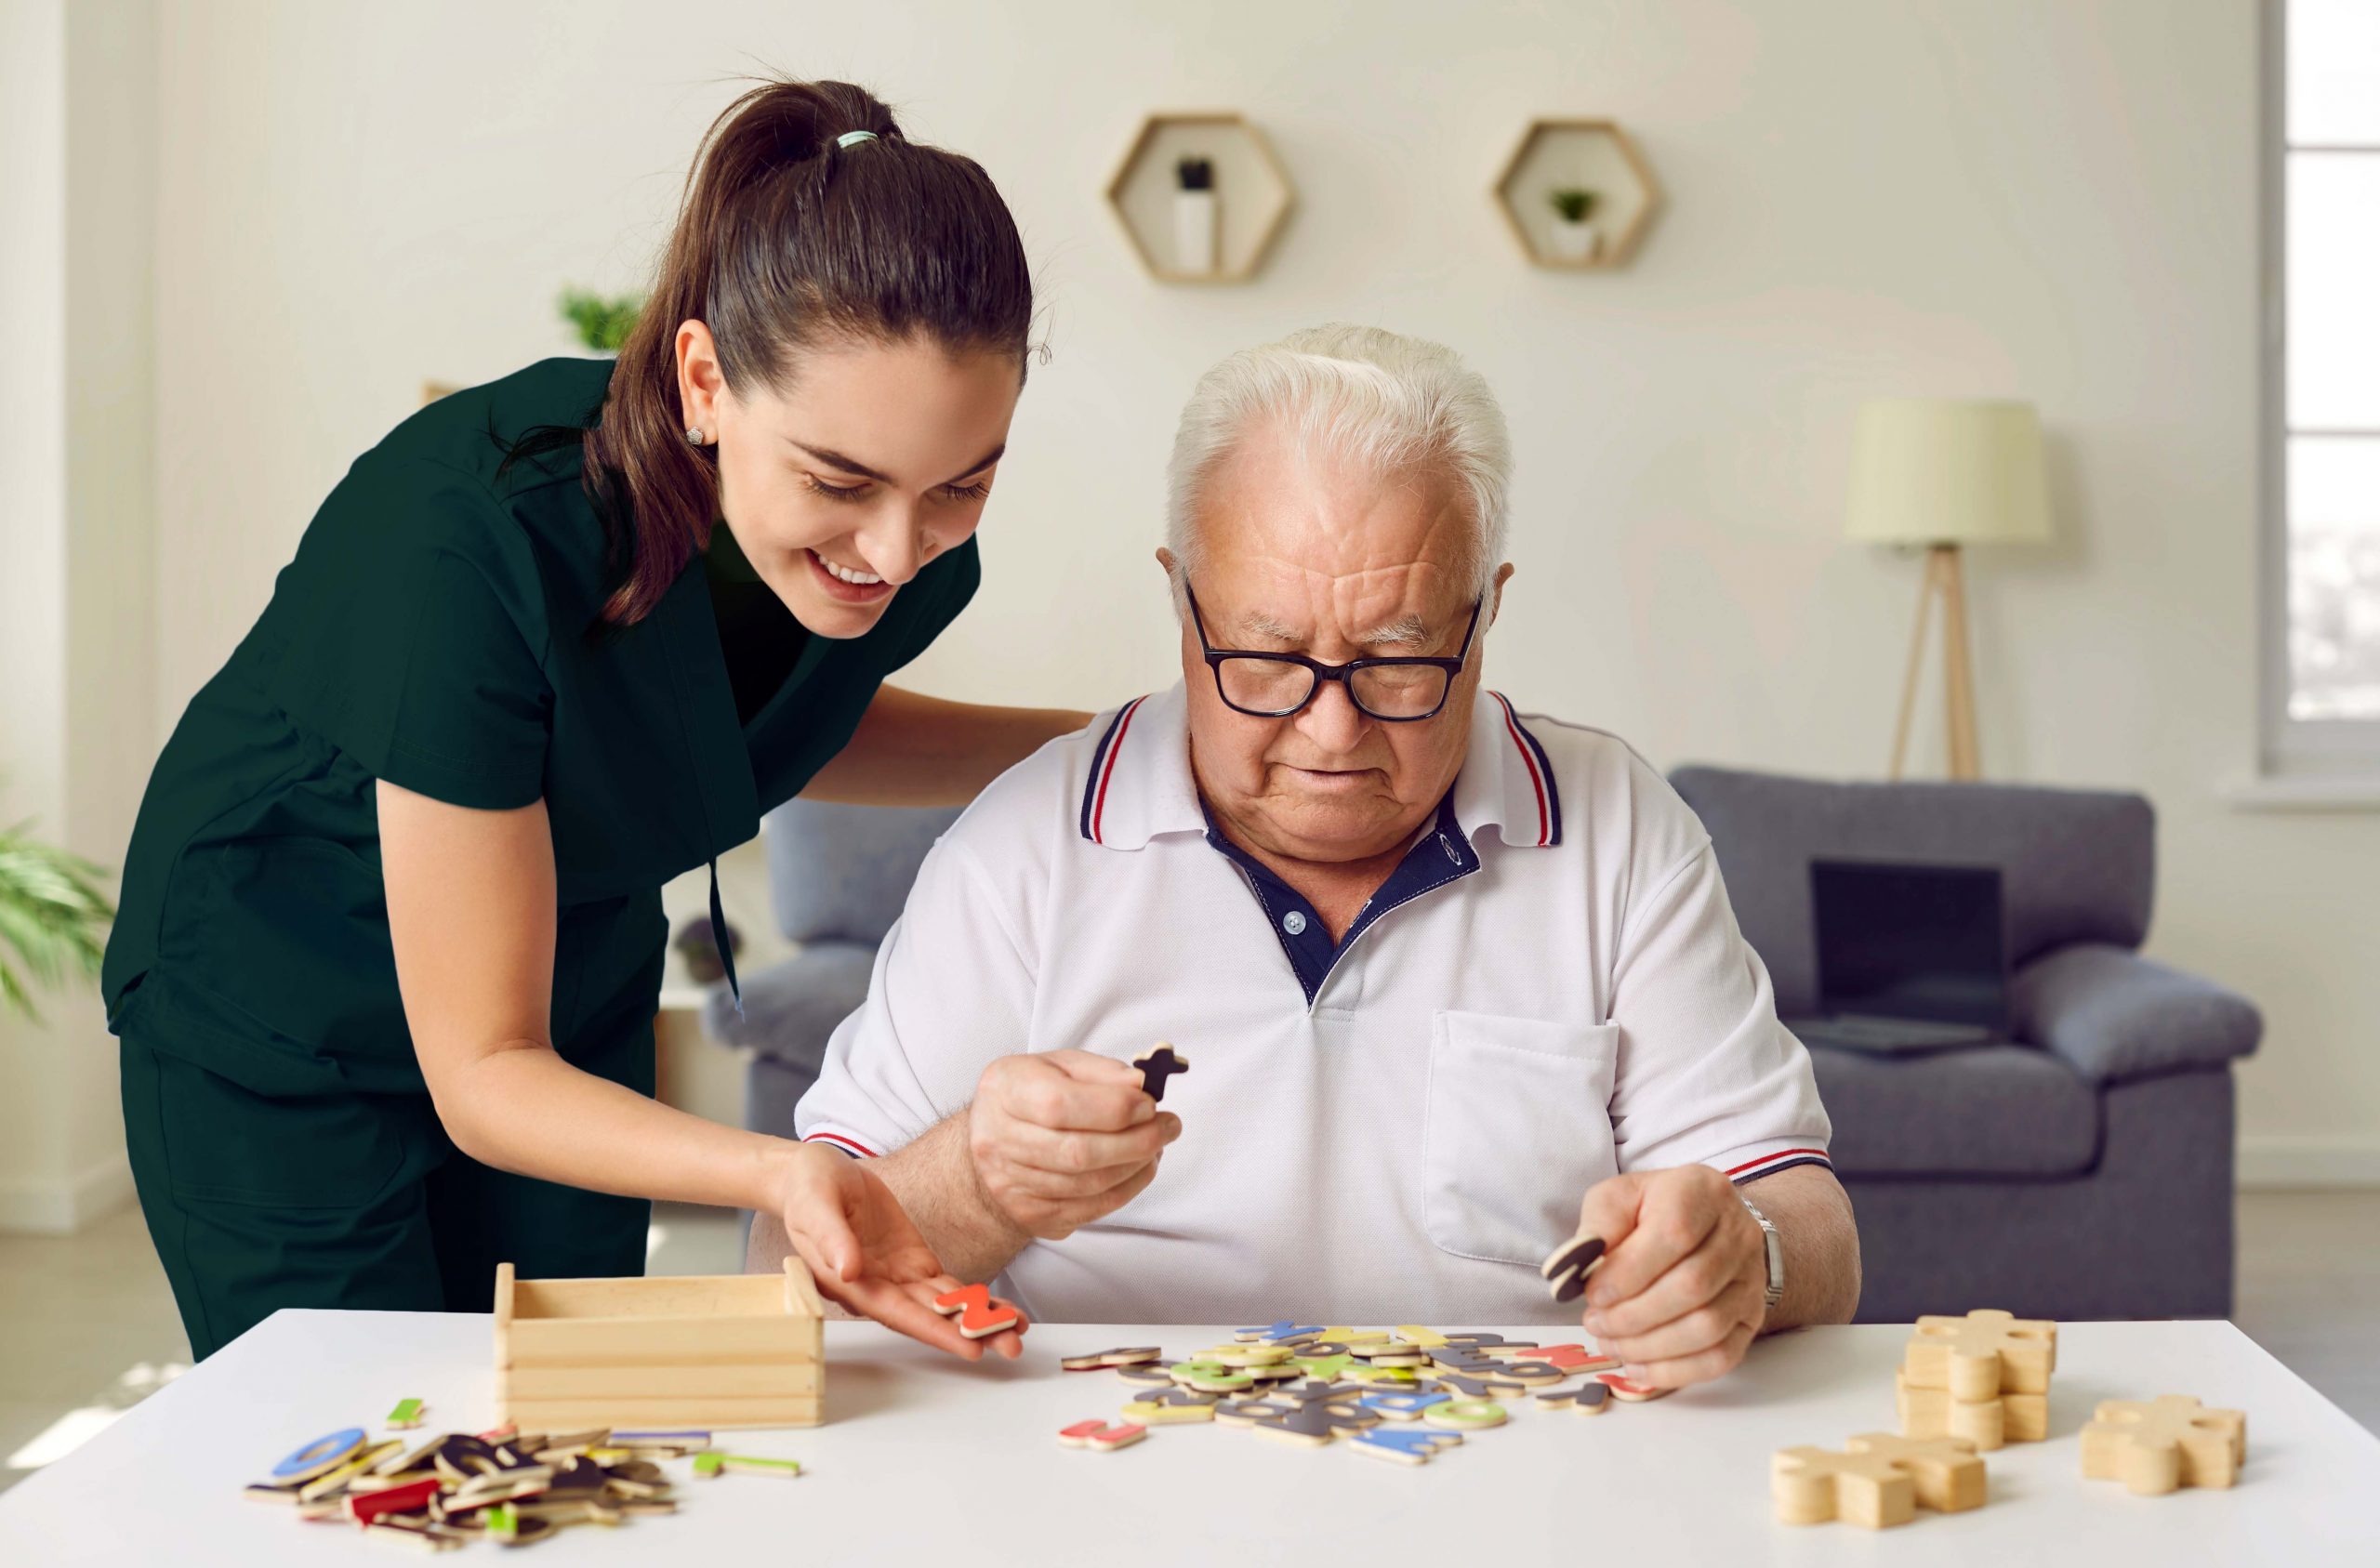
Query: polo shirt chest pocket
{"x": 1517, "y": 1128}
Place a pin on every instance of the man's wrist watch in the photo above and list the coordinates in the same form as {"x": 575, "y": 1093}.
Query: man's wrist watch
{"x": 1776, "y": 1245}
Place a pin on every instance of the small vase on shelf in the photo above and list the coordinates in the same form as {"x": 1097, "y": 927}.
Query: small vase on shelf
{"x": 1193, "y": 216}
{"x": 1575, "y": 240}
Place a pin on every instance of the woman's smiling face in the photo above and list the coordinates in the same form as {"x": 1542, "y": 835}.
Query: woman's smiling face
{"x": 872, "y": 460}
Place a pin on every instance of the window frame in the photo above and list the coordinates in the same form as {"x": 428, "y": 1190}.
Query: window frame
{"x": 2287, "y": 747}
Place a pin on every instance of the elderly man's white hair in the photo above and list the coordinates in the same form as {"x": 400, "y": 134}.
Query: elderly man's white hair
{"x": 1387, "y": 402}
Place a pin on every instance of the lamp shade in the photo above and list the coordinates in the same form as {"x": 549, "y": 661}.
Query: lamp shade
{"x": 1946, "y": 471}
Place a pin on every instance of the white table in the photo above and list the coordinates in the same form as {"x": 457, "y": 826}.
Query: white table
{"x": 923, "y": 1456}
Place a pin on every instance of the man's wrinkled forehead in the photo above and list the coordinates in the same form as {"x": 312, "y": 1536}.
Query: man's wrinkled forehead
{"x": 1261, "y": 626}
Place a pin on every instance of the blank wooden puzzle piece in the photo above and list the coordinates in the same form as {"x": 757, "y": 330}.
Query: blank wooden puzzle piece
{"x": 2155, "y": 1446}
{"x": 1982, "y": 1355}
{"x": 1812, "y": 1486}
{"x": 1157, "y": 1066}
{"x": 979, "y": 1313}
{"x": 1932, "y": 1413}
{"x": 1949, "y": 1478}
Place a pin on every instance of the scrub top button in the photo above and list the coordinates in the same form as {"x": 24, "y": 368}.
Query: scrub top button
{"x": 1293, "y": 922}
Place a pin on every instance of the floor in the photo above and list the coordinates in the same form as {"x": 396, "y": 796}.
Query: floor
{"x": 88, "y": 1325}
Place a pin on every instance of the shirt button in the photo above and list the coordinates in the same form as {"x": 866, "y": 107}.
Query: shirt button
{"x": 1293, "y": 922}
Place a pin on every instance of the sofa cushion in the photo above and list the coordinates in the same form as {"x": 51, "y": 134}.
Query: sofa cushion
{"x": 2113, "y": 1015}
{"x": 2076, "y": 866}
{"x": 1990, "y": 1111}
{"x": 841, "y": 873}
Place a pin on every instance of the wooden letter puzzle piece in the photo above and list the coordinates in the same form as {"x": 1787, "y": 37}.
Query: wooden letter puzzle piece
{"x": 1097, "y": 1433}
{"x": 1157, "y": 1066}
{"x": 2154, "y": 1447}
{"x": 1566, "y": 1267}
{"x": 1982, "y": 1355}
{"x": 979, "y": 1315}
{"x": 1811, "y": 1485}
{"x": 1947, "y": 1476}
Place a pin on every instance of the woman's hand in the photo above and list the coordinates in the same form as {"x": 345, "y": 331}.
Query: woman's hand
{"x": 866, "y": 1255}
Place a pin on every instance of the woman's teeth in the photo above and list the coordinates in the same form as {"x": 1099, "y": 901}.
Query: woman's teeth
{"x": 858, "y": 579}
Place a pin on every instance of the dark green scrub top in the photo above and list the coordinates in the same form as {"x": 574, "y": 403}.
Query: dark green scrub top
{"x": 433, "y": 631}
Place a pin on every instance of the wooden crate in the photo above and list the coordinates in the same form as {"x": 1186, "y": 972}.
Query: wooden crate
{"x": 707, "y": 1351}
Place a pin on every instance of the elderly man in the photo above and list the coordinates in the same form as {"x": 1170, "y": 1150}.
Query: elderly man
{"x": 1454, "y": 981}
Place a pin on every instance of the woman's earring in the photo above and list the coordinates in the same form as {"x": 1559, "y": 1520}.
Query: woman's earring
{"x": 693, "y": 435}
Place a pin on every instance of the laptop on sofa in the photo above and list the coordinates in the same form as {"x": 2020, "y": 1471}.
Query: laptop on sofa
{"x": 1910, "y": 957}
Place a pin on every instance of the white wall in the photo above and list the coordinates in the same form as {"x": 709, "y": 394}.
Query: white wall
{"x": 2039, "y": 198}
{"x": 78, "y": 647}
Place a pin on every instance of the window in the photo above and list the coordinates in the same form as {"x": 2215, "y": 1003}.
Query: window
{"x": 2322, "y": 384}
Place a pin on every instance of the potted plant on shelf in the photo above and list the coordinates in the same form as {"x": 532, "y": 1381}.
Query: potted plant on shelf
{"x": 601, "y": 324}
{"x": 52, "y": 917}
{"x": 1574, "y": 237}
{"x": 1193, "y": 216}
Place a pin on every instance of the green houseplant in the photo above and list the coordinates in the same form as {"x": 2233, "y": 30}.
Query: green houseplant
{"x": 53, "y": 917}
{"x": 1574, "y": 237}
{"x": 601, "y": 324}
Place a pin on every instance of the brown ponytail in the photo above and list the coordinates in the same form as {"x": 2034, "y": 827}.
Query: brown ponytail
{"x": 785, "y": 238}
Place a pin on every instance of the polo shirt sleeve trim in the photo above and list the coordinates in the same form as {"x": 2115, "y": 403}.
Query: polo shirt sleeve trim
{"x": 850, "y": 1146}
{"x": 1740, "y": 1165}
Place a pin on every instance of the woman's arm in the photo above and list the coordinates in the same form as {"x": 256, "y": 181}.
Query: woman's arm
{"x": 915, "y": 750}
{"x": 471, "y": 901}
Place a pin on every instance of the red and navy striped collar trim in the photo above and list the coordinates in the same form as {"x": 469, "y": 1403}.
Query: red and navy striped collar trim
{"x": 1531, "y": 798}
{"x": 1109, "y": 751}
{"x": 1139, "y": 781}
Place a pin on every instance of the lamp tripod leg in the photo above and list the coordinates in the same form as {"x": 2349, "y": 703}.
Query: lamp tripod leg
{"x": 1916, "y": 661}
{"x": 1958, "y": 668}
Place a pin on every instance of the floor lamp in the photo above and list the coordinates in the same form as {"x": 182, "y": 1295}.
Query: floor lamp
{"x": 1946, "y": 473}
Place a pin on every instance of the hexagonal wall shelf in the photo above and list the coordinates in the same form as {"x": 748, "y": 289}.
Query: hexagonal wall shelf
{"x": 1594, "y": 155}
{"x": 1190, "y": 224}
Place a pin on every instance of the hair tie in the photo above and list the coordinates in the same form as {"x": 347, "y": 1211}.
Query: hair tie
{"x": 849, "y": 137}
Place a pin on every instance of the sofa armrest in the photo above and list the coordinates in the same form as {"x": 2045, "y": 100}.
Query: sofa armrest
{"x": 791, "y": 1008}
{"x": 2113, "y": 1015}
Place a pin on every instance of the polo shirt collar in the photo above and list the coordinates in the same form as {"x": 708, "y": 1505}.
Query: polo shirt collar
{"x": 1140, "y": 785}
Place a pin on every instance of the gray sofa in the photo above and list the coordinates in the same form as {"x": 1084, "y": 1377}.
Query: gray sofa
{"x": 838, "y": 877}
{"x": 2084, "y": 1170}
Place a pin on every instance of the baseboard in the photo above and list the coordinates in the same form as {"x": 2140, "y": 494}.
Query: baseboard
{"x": 59, "y": 1208}
{"x": 2277, "y": 1163}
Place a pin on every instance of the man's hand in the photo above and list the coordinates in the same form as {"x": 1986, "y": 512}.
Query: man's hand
{"x": 864, "y": 1254}
{"x": 1060, "y": 1139}
{"x": 1681, "y": 1292}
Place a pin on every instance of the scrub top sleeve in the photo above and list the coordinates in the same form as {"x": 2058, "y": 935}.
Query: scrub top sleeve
{"x": 952, "y": 991}
{"x": 1707, "y": 1072}
{"x": 414, "y": 635}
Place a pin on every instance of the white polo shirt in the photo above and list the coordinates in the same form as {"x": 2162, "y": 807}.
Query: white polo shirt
{"x": 1549, "y": 990}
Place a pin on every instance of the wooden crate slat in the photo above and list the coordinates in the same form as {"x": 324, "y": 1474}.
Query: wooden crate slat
{"x": 637, "y": 1342}
{"x": 722, "y": 1379}
{"x": 706, "y": 1414}
{"x": 693, "y": 1296}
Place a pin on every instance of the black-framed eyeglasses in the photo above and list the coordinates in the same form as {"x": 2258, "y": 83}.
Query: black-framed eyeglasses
{"x": 1402, "y": 691}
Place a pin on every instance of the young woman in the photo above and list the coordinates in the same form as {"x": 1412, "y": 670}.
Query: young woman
{"x": 391, "y": 935}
